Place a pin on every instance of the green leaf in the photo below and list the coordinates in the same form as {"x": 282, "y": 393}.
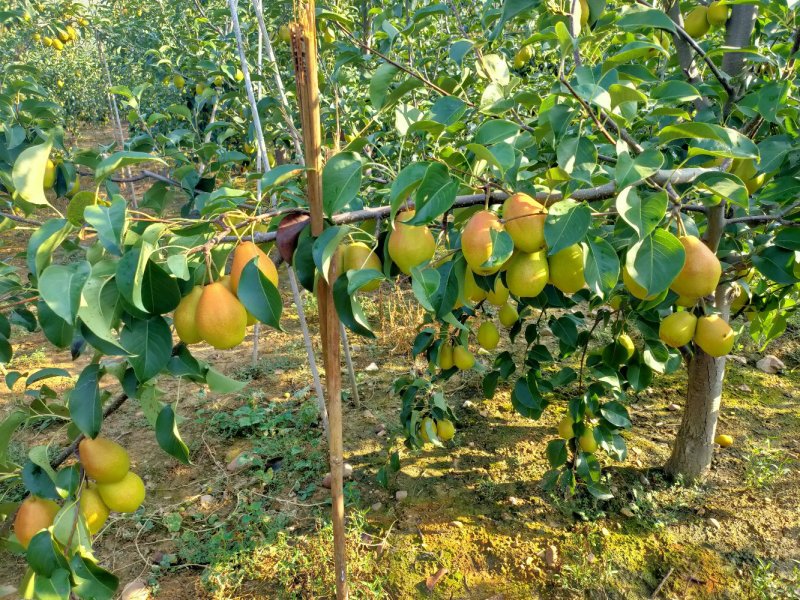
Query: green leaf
{"x": 222, "y": 384}
{"x": 260, "y": 296}
{"x": 600, "y": 266}
{"x": 60, "y": 286}
{"x": 85, "y": 405}
{"x": 152, "y": 340}
{"x": 638, "y": 18}
{"x": 776, "y": 264}
{"x": 119, "y": 160}
{"x": 68, "y": 527}
{"x": 434, "y": 196}
{"x": 37, "y": 474}
{"x": 43, "y": 242}
{"x": 325, "y": 247}
{"x": 379, "y": 84}
{"x": 724, "y": 185}
{"x": 28, "y": 173}
{"x": 557, "y": 453}
{"x": 42, "y": 555}
{"x": 91, "y": 580}
{"x": 349, "y": 310}
{"x": 502, "y": 248}
{"x": 616, "y": 414}
{"x": 675, "y": 90}
{"x": 527, "y": 400}
{"x": 730, "y": 143}
{"x": 655, "y": 261}
{"x": 407, "y": 180}
{"x": 280, "y": 174}
{"x": 168, "y": 436}
{"x": 109, "y": 222}
{"x": 788, "y": 238}
{"x": 57, "y": 331}
{"x": 98, "y": 312}
{"x": 425, "y": 284}
{"x": 566, "y": 224}
{"x": 358, "y": 279}
{"x": 630, "y": 171}
{"x": 642, "y": 214}
{"x": 341, "y": 181}
{"x": 7, "y": 428}
{"x": 496, "y": 130}
{"x": 511, "y": 9}
{"x": 46, "y": 373}
{"x": 578, "y": 157}
{"x": 160, "y": 291}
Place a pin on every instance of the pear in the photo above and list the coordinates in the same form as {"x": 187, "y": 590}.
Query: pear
{"x": 524, "y": 221}
{"x": 410, "y": 245}
{"x": 476, "y": 241}
{"x": 527, "y": 274}
{"x": 714, "y": 336}
{"x": 244, "y": 253}
{"x": 93, "y": 509}
{"x": 488, "y": 336}
{"x": 103, "y": 460}
{"x": 445, "y": 430}
{"x": 184, "y": 317}
{"x": 745, "y": 169}
{"x": 586, "y": 441}
{"x": 446, "y": 356}
{"x": 633, "y": 287}
{"x": 508, "y": 315}
{"x": 33, "y": 515}
{"x": 696, "y": 22}
{"x": 565, "y": 427}
{"x": 677, "y": 329}
{"x": 717, "y": 14}
{"x": 124, "y": 496}
{"x": 472, "y": 291}
{"x": 359, "y": 256}
{"x": 725, "y": 441}
{"x": 221, "y": 318}
{"x": 49, "y": 174}
{"x": 499, "y": 295}
{"x": 423, "y": 428}
{"x": 463, "y": 358}
{"x": 523, "y": 56}
{"x": 566, "y": 269}
{"x": 701, "y": 270}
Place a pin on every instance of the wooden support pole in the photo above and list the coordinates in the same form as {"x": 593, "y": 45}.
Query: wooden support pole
{"x": 304, "y": 49}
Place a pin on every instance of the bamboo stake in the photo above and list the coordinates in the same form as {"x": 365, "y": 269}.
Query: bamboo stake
{"x": 348, "y": 359}
{"x": 304, "y": 49}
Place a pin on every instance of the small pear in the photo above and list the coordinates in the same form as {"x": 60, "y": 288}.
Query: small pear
{"x": 586, "y": 441}
{"x": 508, "y": 315}
{"x": 701, "y": 270}
{"x": 527, "y": 274}
{"x": 488, "y": 336}
{"x": 244, "y": 253}
{"x": 446, "y": 356}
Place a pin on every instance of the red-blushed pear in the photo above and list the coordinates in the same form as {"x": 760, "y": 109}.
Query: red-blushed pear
{"x": 123, "y": 496}
{"x": 221, "y": 318}
{"x": 527, "y": 274}
{"x": 472, "y": 291}
{"x": 524, "y": 221}
{"x": 566, "y": 269}
{"x": 93, "y": 509}
{"x": 103, "y": 460}
{"x": 701, "y": 270}
{"x": 677, "y": 329}
{"x": 410, "y": 245}
{"x": 244, "y": 253}
{"x": 476, "y": 241}
{"x": 714, "y": 336}
{"x": 33, "y": 515}
{"x": 634, "y": 289}
{"x": 359, "y": 256}
{"x": 184, "y": 317}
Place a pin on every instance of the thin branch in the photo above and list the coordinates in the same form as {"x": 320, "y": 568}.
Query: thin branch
{"x": 13, "y": 217}
{"x": 588, "y": 109}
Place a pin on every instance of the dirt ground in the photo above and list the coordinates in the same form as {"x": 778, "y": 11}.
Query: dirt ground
{"x": 474, "y": 515}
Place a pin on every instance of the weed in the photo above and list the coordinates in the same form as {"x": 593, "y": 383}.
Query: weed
{"x": 768, "y": 584}
{"x": 766, "y": 465}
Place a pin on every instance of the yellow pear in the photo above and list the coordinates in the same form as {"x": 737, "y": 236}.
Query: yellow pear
{"x": 221, "y": 318}
{"x": 586, "y": 441}
{"x": 740, "y": 300}
{"x": 508, "y": 315}
{"x": 93, "y": 509}
{"x": 123, "y": 496}
{"x": 565, "y": 427}
{"x": 635, "y": 290}
{"x": 472, "y": 291}
{"x": 717, "y": 14}
{"x": 677, "y": 329}
{"x": 523, "y": 56}
{"x": 359, "y": 256}
{"x": 33, "y": 515}
{"x": 584, "y": 13}
{"x": 476, "y": 241}
{"x": 696, "y": 22}
{"x": 745, "y": 169}
{"x": 410, "y": 245}
{"x": 488, "y": 336}
{"x": 49, "y": 174}
{"x": 103, "y": 460}
{"x": 499, "y": 295}
{"x": 445, "y": 430}
{"x": 686, "y": 301}
{"x": 524, "y": 221}
{"x": 527, "y": 274}
{"x": 714, "y": 336}
{"x": 463, "y": 358}
{"x": 446, "y": 356}
{"x": 184, "y": 317}
{"x": 423, "y": 429}
{"x": 724, "y": 440}
{"x": 566, "y": 269}
{"x": 701, "y": 270}
{"x": 627, "y": 343}
{"x": 244, "y": 253}
{"x": 179, "y": 81}
{"x": 615, "y": 302}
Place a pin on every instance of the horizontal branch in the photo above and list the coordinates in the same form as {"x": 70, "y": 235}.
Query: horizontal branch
{"x": 13, "y": 217}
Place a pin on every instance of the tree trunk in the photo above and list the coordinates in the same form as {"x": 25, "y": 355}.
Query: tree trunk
{"x": 694, "y": 444}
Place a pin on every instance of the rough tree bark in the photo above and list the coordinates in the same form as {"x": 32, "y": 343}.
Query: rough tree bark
{"x": 694, "y": 443}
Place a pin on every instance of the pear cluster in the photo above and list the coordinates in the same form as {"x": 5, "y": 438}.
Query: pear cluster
{"x": 445, "y": 429}
{"x": 114, "y": 487}
{"x": 586, "y": 440}
{"x": 213, "y": 313}
{"x": 711, "y": 333}
{"x": 65, "y": 34}
{"x": 702, "y": 18}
